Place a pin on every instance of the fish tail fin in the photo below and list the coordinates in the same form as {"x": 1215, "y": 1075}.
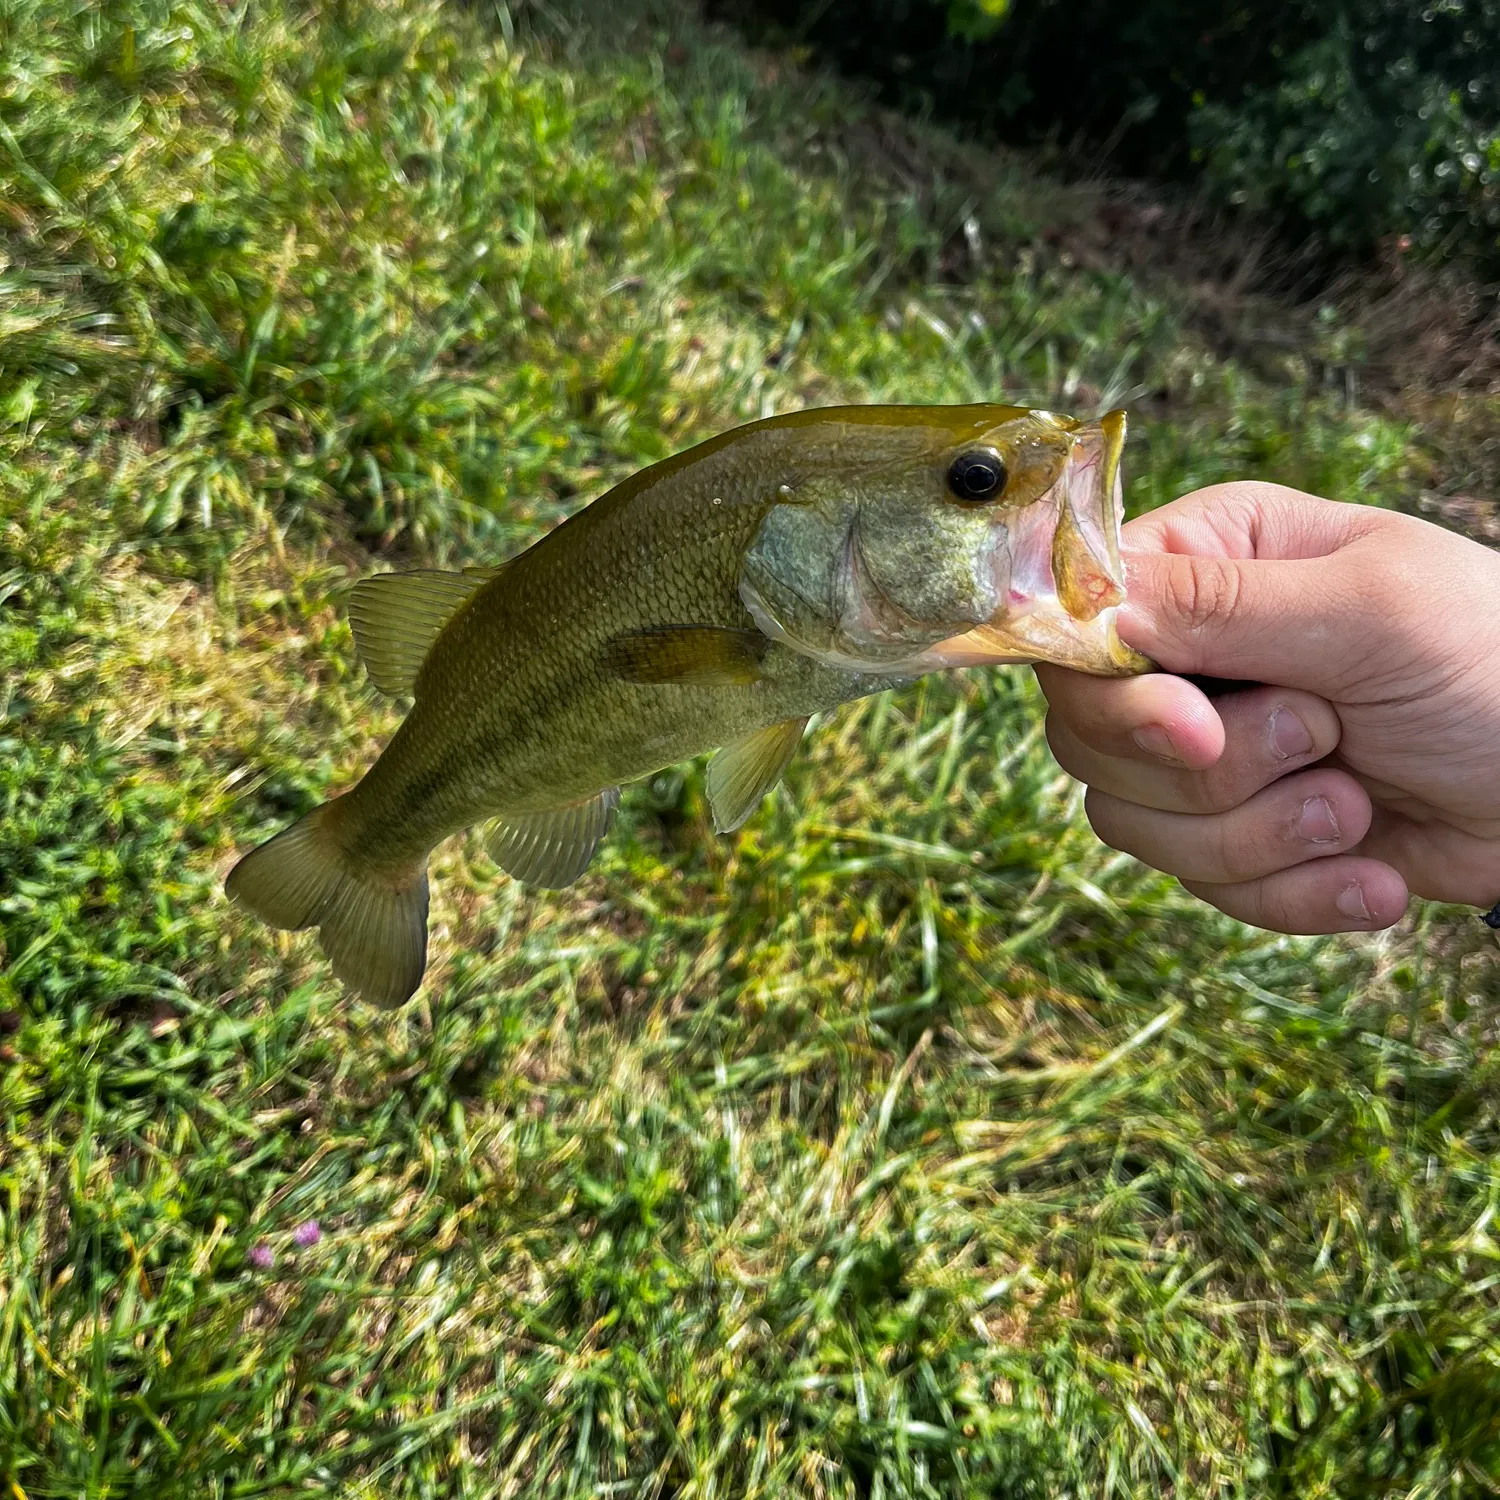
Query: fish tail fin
{"x": 373, "y": 927}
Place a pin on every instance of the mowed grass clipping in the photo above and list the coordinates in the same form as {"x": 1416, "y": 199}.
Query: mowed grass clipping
{"x": 907, "y": 1143}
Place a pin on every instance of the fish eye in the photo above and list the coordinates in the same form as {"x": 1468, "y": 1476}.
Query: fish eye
{"x": 977, "y": 475}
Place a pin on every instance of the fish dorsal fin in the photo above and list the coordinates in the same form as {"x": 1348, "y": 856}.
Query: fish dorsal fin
{"x": 552, "y": 848}
{"x": 742, "y": 773}
{"x": 690, "y": 655}
{"x": 397, "y": 616}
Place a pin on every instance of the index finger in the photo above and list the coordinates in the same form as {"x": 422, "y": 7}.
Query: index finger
{"x": 1108, "y": 713}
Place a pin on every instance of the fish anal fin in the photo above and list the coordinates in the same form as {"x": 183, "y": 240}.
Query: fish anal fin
{"x": 554, "y": 847}
{"x": 742, "y": 773}
{"x": 397, "y": 616}
{"x": 690, "y": 655}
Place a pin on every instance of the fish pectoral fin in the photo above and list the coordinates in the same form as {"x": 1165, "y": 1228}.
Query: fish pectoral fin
{"x": 552, "y": 848}
{"x": 742, "y": 773}
{"x": 397, "y": 616}
{"x": 693, "y": 655}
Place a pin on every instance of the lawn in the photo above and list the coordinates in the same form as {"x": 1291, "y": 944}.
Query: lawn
{"x": 908, "y": 1142}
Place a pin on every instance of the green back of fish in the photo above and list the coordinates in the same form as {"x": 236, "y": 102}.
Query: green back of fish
{"x": 541, "y": 689}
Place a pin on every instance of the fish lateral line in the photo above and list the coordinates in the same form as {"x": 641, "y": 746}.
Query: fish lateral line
{"x": 687, "y": 655}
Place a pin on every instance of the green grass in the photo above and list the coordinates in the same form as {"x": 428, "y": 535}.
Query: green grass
{"x": 910, "y": 1142}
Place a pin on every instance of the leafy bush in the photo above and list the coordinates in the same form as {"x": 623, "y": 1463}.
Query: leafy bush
{"x": 1343, "y": 120}
{"x": 1387, "y": 124}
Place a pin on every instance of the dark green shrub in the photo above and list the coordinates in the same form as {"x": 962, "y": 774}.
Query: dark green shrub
{"x": 1387, "y": 124}
{"x": 1343, "y": 120}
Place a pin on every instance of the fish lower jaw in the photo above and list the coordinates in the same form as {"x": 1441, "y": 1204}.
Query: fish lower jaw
{"x": 1045, "y": 632}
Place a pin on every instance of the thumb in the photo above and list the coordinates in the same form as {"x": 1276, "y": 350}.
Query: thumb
{"x": 1248, "y": 518}
{"x": 1292, "y": 623}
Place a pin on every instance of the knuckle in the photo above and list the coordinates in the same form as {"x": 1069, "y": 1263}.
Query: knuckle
{"x": 1205, "y": 594}
{"x": 1204, "y": 793}
{"x": 1280, "y": 902}
{"x": 1231, "y": 855}
{"x": 1220, "y": 897}
{"x": 1273, "y": 907}
{"x": 1246, "y": 901}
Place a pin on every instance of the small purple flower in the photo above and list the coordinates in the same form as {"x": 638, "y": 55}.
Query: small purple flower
{"x": 307, "y": 1234}
{"x": 261, "y": 1257}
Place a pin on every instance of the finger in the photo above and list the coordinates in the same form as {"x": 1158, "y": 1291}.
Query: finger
{"x": 1308, "y": 816}
{"x": 1267, "y": 732}
{"x": 1226, "y": 618}
{"x": 1247, "y": 519}
{"x": 1345, "y": 893}
{"x": 1136, "y": 717}
{"x": 1439, "y": 862}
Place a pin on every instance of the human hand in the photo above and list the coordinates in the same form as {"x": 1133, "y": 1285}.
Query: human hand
{"x": 1368, "y": 768}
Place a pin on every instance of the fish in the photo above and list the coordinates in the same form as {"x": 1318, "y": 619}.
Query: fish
{"x": 715, "y": 601}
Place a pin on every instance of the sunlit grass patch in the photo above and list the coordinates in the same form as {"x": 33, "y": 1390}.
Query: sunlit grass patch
{"x": 908, "y": 1142}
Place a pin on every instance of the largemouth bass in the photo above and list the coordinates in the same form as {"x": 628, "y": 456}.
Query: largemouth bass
{"x": 716, "y": 600}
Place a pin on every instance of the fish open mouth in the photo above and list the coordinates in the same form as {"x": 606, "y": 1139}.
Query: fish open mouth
{"x": 1066, "y": 577}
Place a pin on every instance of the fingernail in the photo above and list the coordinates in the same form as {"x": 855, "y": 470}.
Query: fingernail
{"x": 1289, "y": 736}
{"x": 1351, "y": 903}
{"x": 1317, "y": 824}
{"x": 1155, "y": 740}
